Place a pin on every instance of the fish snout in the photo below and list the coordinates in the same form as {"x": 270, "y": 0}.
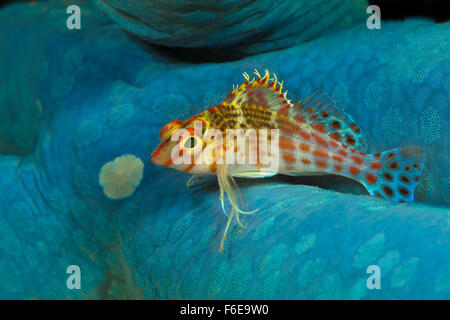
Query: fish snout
{"x": 161, "y": 155}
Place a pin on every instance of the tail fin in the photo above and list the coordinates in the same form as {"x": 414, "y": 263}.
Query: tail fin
{"x": 394, "y": 174}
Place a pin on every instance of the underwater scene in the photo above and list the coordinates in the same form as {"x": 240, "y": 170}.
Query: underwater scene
{"x": 226, "y": 149}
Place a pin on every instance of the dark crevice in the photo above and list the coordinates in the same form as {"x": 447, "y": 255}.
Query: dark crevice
{"x": 438, "y": 10}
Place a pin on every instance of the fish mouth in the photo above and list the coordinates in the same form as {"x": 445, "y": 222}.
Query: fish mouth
{"x": 158, "y": 155}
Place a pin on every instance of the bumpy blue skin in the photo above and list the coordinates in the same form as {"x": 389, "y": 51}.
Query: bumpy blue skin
{"x": 103, "y": 95}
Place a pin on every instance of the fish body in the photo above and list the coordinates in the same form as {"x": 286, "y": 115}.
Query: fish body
{"x": 308, "y": 137}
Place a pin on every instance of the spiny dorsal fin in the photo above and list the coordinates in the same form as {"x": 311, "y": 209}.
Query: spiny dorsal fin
{"x": 322, "y": 114}
{"x": 316, "y": 110}
{"x": 262, "y": 91}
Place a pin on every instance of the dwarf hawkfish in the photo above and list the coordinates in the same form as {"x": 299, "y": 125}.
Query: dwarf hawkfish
{"x": 312, "y": 136}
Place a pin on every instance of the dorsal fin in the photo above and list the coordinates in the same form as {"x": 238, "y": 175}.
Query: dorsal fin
{"x": 322, "y": 114}
{"x": 260, "y": 91}
{"x": 316, "y": 110}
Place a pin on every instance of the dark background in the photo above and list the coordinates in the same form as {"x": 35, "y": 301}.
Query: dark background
{"x": 438, "y": 10}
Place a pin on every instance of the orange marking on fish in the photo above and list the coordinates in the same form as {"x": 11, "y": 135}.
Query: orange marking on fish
{"x": 318, "y": 127}
{"x": 160, "y": 149}
{"x": 306, "y": 161}
{"x": 304, "y": 147}
{"x": 334, "y": 144}
{"x": 322, "y": 164}
{"x": 354, "y": 171}
{"x": 377, "y": 155}
{"x": 371, "y": 178}
{"x": 335, "y": 136}
{"x": 338, "y": 167}
{"x": 288, "y": 158}
{"x": 213, "y": 167}
{"x": 357, "y": 160}
{"x": 321, "y": 141}
{"x": 375, "y": 165}
{"x": 320, "y": 153}
{"x": 342, "y": 153}
{"x": 305, "y": 135}
{"x": 336, "y": 158}
{"x": 286, "y": 144}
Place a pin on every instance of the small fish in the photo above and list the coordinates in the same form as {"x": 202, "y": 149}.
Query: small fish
{"x": 314, "y": 137}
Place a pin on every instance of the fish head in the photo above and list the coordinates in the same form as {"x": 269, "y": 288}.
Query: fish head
{"x": 183, "y": 146}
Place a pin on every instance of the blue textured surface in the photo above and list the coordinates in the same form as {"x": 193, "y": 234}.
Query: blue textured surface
{"x": 94, "y": 95}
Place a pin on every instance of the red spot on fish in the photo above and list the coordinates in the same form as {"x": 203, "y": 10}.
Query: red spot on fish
{"x": 324, "y": 114}
{"x": 213, "y": 167}
{"x": 314, "y": 117}
{"x": 309, "y": 110}
{"x": 286, "y": 144}
{"x": 318, "y": 127}
{"x": 388, "y": 191}
{"x": 377, "y": 155}
{"x": 352, "y": 150}
{"x": 335, "y": 136}
{"x": 355, "y": 128}
{"x": 375, "y": 165}
{"x": 335, "y": 124}
{"x": 350, "y": 140}
{"x": 304, "y": 147}
{"x": 336, "y": 158}
{"x": 322, "y": 164}
{"x": 354, "y": 171}
{"x": 405, "y": 179}
{"x": 320, "y": 153}
{"x": 404, "y": 192}
{"x": 288, "y": 158}
{"x": 371, "y": 178}
{"x": 334, "y": 144}
{"x": 338, "y": 167}
{"x": 306, "y": 161}
{"x": 342, "y": 153}
{"x": 305, "y": 135}
{"x": 357, "y": 160}
{"x": 320, "y": 140}
{"x": 393, "y": 165}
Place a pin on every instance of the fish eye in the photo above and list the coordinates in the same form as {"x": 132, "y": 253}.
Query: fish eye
{"x": 191, "y": 142}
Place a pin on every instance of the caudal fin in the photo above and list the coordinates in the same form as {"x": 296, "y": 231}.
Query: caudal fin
{"x": 394, "y": 174}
